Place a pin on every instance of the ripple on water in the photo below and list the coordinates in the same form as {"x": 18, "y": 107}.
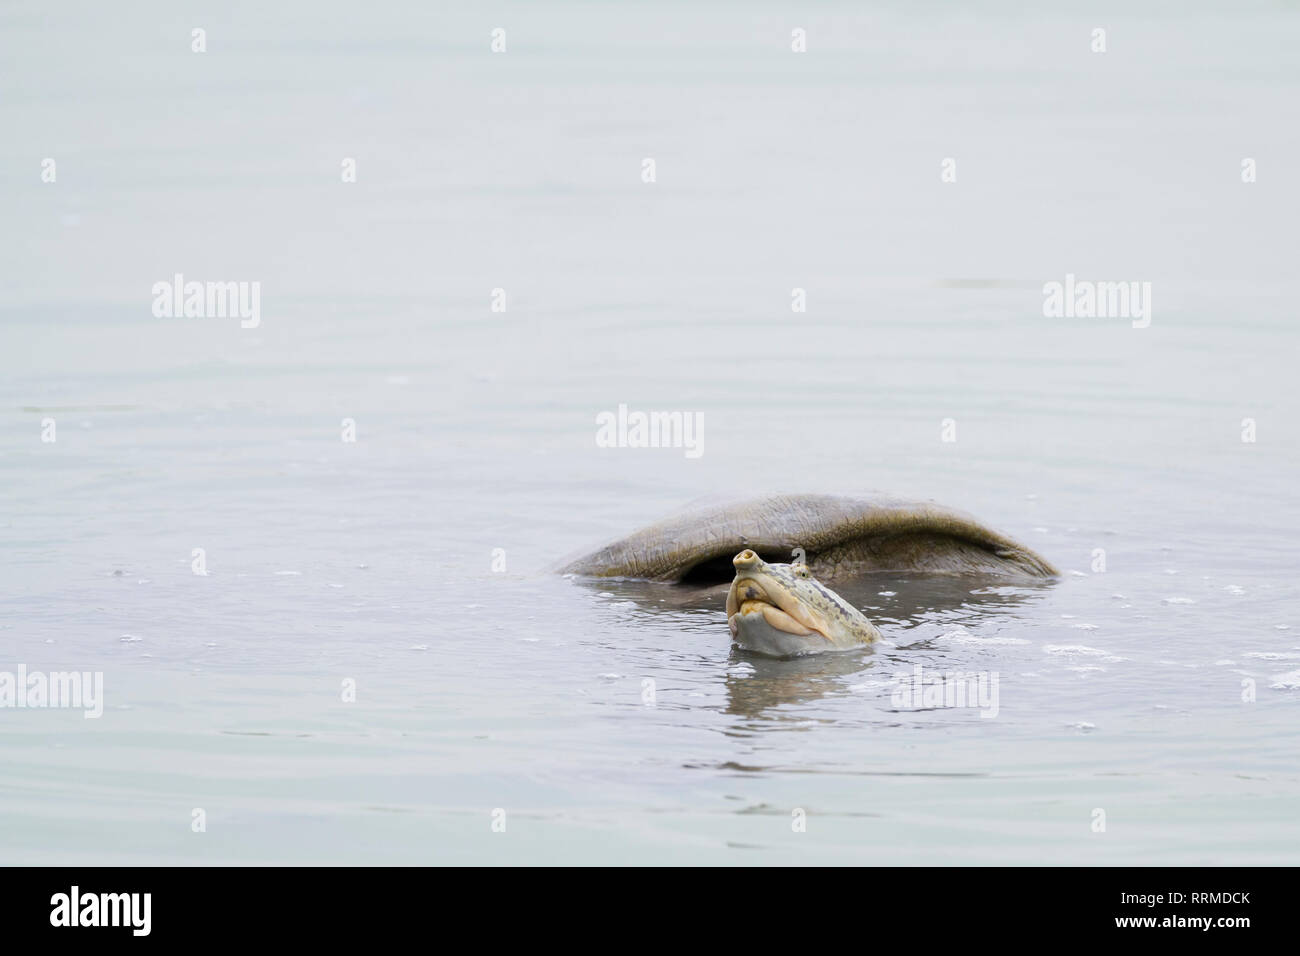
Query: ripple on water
{"x": 868, "y": 685}
{"x": 960, "y": 635}
{"x": 1074, "y": 649}
{"x": 1287, "y": 681}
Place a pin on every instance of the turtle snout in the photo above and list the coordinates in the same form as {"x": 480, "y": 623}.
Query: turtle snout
{"x": 746, "y": 560}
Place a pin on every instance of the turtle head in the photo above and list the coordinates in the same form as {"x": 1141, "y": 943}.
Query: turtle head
{"x": 783, "y": 611}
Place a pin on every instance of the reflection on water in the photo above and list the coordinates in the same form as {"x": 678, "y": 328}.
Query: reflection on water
{"x": 914, "y": 611}
{"x": 761, "y": 687}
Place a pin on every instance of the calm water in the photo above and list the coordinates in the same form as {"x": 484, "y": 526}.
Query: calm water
{"x": 372, "y": 562}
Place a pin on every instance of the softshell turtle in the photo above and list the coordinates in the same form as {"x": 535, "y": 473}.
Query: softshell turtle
{"x": 836, "y": 537}
{"x": 781, "y": 610}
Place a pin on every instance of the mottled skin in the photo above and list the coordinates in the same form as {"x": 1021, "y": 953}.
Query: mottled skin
{"x": 841, "y": 537}
{"x": 783, "y": 611}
